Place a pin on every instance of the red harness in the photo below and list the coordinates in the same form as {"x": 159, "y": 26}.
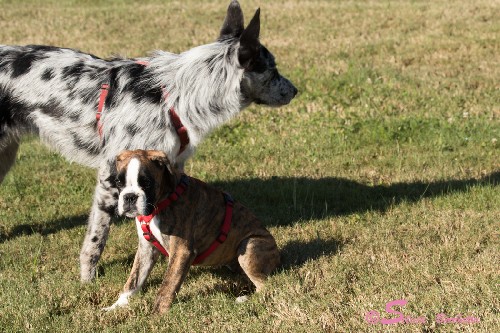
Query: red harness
{"x": 145, "y": 221}
{"x": 174, "y": 118}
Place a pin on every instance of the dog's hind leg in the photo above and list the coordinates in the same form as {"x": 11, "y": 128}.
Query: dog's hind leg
{"x": 258, "y": 256}
{"x": 8, "y": 153}
{"x": 103, "y": 207}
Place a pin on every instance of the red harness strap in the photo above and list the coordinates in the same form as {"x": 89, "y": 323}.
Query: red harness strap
{"x": 178, "y": 125}
{"x": 100, "y": 107}
{"x": 223, "y": 231}
{"x": 146, "y": 220}
{"x": 174, "y": 118}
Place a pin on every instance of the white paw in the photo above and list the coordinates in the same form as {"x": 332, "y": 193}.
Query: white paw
{"x": 120, "y": 303}
{"x": 241, "y": 299}
{"x": 113, "y": 307}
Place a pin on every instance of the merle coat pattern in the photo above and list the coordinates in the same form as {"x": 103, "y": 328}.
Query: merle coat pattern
{"x": 53, "y": 92}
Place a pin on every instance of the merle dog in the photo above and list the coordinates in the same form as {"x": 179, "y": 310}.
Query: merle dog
{"x": 90, "y": 109}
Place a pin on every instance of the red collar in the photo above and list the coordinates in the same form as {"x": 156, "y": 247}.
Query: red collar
{"x": 146, "y": 220}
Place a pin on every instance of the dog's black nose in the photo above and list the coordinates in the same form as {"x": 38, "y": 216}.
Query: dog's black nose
{"x": 130, "y": 198}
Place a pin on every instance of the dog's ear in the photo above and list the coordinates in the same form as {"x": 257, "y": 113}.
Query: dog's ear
{"x": 161, "y": 159}
{"x": 233, "y": 23}
{"x": 117, "y": 163}
{"x": 249, "y": 42}
{"x": 120, "y": 157}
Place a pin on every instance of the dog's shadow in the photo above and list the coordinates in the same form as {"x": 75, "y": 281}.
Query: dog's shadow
{"x": 285, "y": 201}
{"x": 281, "y": 201}
{"x": 47, "y": 228}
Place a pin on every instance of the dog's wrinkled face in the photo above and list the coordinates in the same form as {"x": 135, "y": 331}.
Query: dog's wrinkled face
{"x": 261, "y": 83}
{"x": 142, "y": 177}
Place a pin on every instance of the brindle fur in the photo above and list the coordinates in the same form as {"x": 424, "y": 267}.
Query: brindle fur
{"x": 188, "y": 227}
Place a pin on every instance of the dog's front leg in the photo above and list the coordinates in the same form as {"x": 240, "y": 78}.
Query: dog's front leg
{"x": 181, "y": 258}
{"x": 103, "y": 207}
{"x": 144, "y": 261}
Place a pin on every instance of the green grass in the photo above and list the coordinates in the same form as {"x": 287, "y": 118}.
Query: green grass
{"x": 380, "y": 181}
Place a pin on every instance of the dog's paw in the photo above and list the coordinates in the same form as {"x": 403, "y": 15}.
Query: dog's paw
{"x": 120, "y": 303}
{"x": 115, "y": 306}
{"x": 241, "y": 299}
{"x": 112, "y": 307}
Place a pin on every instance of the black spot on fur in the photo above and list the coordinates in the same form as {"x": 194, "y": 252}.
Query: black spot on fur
{"x": 12, "y": 111}
{"x": 75, "y": 117}
{"x": 22, "y": 64}
{"x": 210, "y": 60}
{"x": 139, "y": 84}
{"x": 53, "y": 109}
{"x": 229, "y": 54}
{"x": 131, "y": 129}
{"x": 90, "y": 95}
{"x": 48, "y": 74}
{"x": 109, "y": 209}
{"x": 94, "y": 258}
{"x": 210, "y": 64}
{"x": 112, "y": 131}
{"x": 90, "y": 147}
{"x": 111, "y": 99}
{"x": 73, "y": 72}
{"x": 3, "y": 63}
{"x": 215, "y": 108}
{"x": 94, "y": 239}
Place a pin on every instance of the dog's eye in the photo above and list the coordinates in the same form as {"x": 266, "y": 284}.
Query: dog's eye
{"x": 118, "y": 182}
{"x": 144, "y": 182}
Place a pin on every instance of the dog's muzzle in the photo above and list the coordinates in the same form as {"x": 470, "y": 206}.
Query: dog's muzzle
{"x": 131, "y": 204}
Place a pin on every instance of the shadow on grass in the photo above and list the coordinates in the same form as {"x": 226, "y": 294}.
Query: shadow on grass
{"x": 50, "y": 227}
{"x": 285, "y": 201}
{"x": 296, "y": 253}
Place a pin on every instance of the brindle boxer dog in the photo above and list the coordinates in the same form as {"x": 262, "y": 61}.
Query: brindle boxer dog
{"x": 186, "y": 225}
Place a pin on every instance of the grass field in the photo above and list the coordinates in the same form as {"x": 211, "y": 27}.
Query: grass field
{"x": 380, "y": 181}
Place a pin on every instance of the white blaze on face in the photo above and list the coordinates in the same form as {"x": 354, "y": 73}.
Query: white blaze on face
{"x": 132, "y": 187}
